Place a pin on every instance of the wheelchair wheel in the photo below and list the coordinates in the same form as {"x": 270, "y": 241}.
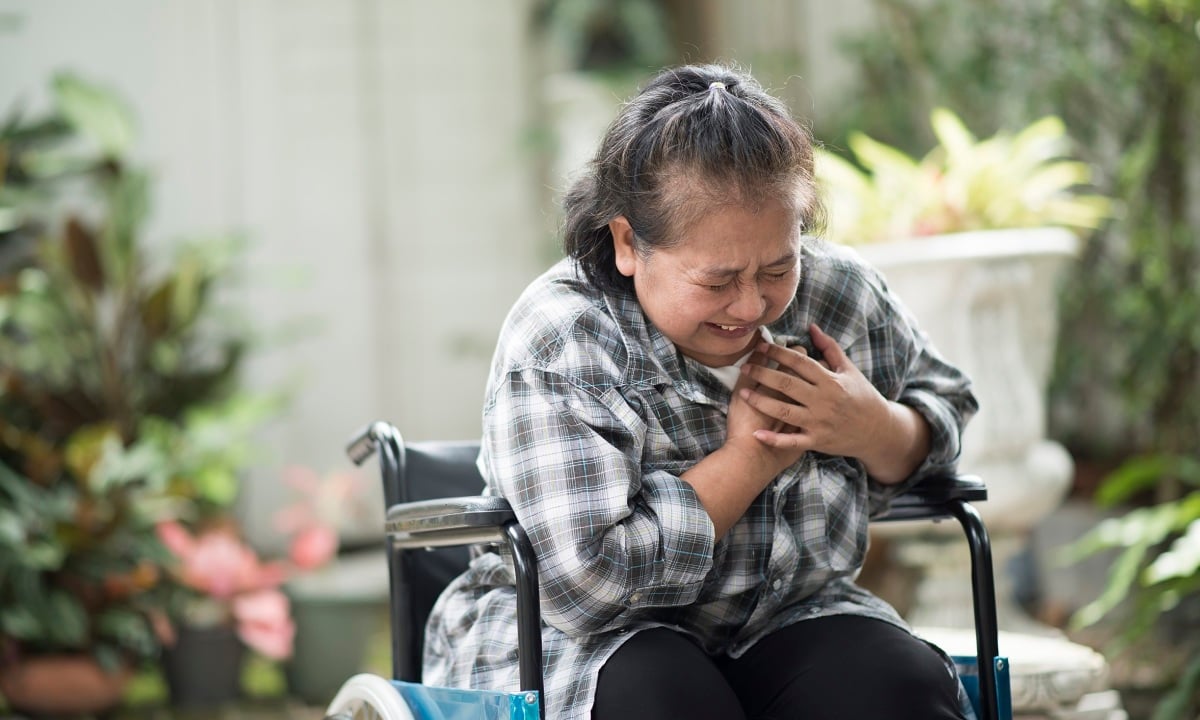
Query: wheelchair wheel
{"x": 368, "y": 697}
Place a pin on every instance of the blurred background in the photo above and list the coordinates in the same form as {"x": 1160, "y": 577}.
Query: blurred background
{"x": 276, "y": 221}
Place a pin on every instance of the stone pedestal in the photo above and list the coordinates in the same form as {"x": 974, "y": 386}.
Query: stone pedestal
{"x": 1052, "y": 679}
{"x": 988, "y": 302}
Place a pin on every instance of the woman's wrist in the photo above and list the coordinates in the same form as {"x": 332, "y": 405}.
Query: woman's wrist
{"x": 901, "y": 446}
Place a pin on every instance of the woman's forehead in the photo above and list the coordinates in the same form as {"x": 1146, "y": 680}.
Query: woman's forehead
{"x": 731, "y": 235}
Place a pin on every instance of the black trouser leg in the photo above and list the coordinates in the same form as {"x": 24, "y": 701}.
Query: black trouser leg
{"x": 660, "y": 674}
{"x": 840, "y": 668}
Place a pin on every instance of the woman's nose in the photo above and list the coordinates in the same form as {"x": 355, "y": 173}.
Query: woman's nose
{"x": 749, "y": 303}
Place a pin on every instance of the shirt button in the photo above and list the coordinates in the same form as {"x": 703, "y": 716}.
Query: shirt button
{"x": 777, "y": 584}
{"x": 634, "y": 597}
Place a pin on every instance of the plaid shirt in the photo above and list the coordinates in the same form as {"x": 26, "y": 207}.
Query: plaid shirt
{"x": 591, "y": 416}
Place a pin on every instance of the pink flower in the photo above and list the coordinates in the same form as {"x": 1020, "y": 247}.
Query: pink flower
{"x": 313, "y": 547}
{"x": 177, "y": 539}
{"x": 217, "y": 562}
{"x": 264, "y": 623}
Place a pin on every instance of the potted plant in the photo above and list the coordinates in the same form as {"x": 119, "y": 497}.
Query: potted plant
{"x": 973, "y": 237}
{"x": 231, "y": 601}
{"x": 119, "y": 402}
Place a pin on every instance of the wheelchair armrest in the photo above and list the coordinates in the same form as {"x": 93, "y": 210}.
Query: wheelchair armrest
{"x": 932, "y": 497}
{"x": 449, "y": 521}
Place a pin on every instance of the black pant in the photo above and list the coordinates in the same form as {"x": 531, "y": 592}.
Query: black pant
{"x": 835, "y": 668}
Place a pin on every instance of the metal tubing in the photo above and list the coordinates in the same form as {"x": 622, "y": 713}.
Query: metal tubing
{"x": 984, "y": 596}
{"x": 529, "y": 614}
{"x": 386, "y": 440}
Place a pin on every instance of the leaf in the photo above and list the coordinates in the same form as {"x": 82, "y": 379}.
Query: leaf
{"x": 1120, "y": 580}
{"x": 217, "y": 485}
{"x": 65, "y": 619}
{"x": 951, "y": 133}
{"x": 879, "y": 158}
{"x": 130, "y": 630}
{"x": 20, "y": 622}
{"x": 1182, "y": 559}
{"x": 1141, "y": 526}
{"x": 1174, "y": 705}
{"x": 1143, "y": 473}
{"x": 82, "y": 256}
{"x": 95, "y": 113}
{"x": 86, "y": 447}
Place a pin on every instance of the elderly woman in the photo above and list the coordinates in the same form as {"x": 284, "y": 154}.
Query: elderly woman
{"x": 694, "y": 415}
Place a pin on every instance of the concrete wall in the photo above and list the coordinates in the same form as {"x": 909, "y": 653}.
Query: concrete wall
{"x": 374, "y": 153}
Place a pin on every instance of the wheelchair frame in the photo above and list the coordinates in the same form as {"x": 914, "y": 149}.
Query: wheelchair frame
{"x": 457, "y": 521}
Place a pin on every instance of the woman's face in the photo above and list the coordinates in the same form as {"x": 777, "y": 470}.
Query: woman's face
{"x": 733, "y": 271}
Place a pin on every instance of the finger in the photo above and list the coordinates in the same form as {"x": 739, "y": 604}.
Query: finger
{"x": 787, "y": 384}
{"x": 789, "y": 413}
{"x": 796, "y": 360}
{"x": 830, "y": 350}
{"x": 756, "y": 359}
{"x": 784, "y": 440}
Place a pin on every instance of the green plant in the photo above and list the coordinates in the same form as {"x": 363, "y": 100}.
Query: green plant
{"x": 1121, "y": 74}
{"x": 1005, "y": 181}
{"x": 119, "y": 397}
{"x": 1157, "y": 566}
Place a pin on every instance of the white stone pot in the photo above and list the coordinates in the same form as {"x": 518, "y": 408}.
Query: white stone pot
{"x": 988, "y": 300}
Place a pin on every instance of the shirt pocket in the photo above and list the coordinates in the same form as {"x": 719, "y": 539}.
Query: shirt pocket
{"x": 844, "y": 499}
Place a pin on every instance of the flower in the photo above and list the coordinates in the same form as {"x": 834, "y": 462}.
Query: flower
{"x": 228, "y": 581}
{"x": 232, "y": 584}
{"x": 314, "y": 518}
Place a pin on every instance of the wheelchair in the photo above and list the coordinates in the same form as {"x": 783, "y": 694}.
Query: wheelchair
{"x": 432, "y": 516}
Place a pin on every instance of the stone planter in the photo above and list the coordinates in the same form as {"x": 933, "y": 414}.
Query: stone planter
{"x": 61, "y": 685}
{"x": 989, "y": 302}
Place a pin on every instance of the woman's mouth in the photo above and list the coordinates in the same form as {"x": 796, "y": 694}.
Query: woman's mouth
{"x": 731, "y": 331}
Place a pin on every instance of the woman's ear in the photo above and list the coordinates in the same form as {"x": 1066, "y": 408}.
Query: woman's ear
{"x": 623, "y": 245}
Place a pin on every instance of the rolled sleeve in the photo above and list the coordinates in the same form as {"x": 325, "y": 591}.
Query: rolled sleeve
{"x": 608, "y": 537}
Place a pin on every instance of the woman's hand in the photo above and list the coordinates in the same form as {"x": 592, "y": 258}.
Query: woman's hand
{"x": 744, "y": 422}
{"x": 832, "y": 408}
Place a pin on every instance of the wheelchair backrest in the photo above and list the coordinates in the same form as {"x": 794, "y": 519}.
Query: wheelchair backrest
{"x": 428, "y": 471}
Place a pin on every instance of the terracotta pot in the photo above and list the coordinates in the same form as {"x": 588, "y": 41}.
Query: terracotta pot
{"x": 62, "y": 685}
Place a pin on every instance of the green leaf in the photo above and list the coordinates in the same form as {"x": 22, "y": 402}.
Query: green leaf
{"x": 95, "y": 113}
{"x": 65, "y": 619}
{"x": 1174, "y": 705}
{"x": 952, "y": 133}
{"x": 1143, "y": 473}
{"x": 1120, "y": 580}
{"x": 879, "y": 158}
{"x": 217, "y": 485}
{"x": 1182, "y": 559}
{"x": 129, "y": 629}
{"x": 21, "y": 623}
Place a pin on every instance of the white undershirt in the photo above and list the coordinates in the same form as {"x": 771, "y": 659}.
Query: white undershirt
{"x": 728, "y": 375}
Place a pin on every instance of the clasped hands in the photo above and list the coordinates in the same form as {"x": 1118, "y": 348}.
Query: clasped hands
{"x": 803, "y": 404}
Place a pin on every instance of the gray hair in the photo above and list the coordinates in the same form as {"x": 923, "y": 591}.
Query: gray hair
{"x": 695, "y": 137}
